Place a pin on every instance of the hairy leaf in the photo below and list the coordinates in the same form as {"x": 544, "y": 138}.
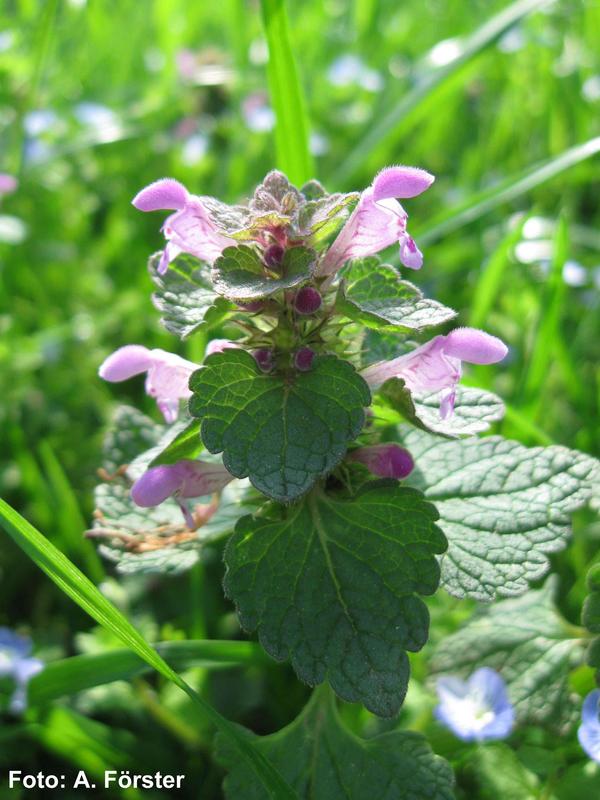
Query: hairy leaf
{"x": 504, "y": 507}
{"x": 151, "y": 540}
{"x": 533, "y": 648}
{"x": 185, "y": 296}
{"x": 474, "y": 409}
{"x": 322, "y": 760}
{"x": 374, "y": 294}
{"x": 282, "y": 430}
{"x": 240, "y": 274}
{"x": 590, "y": 617}
{"x": 318, "y": 219}
{"x": 332, "y": 584}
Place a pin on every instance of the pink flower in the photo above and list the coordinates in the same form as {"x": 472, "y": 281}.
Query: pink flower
{"x": 190, "y": 229}
{"x": 8, "y": 183}
{"x": 385, "y": 460}
{"x": 379, "y": 220}
{"x": 167, "y": 374}
{"x": 436, "y": 366}
{"x": 180, "y": 480}
{"x": 218, "y": 345}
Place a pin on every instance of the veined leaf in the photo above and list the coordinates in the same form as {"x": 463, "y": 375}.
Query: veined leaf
{"x": 185, "y": 296}
{"x": 333, "y": 585}
{"x": 80, "y": 589}
{"x": 282, "y": 430}
{"x": 533, "y": 648}
{"x": 590, "y": 617}
{"x": 504, "y": 507}
{"x": 474, "y": 409}
{"x": 240, "y": 274}
{"x": 186, "y": 444}
{"x": 374, "y": 294}
{"x": 322, "y": 760}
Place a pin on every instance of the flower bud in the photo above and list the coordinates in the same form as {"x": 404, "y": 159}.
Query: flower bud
{"x": 385, "y": 460}
{"x": 307, "y": 300}
{"x": 273, "y": 256}
{"x": 304, "y": 358}
{"x": 264, "y": 359}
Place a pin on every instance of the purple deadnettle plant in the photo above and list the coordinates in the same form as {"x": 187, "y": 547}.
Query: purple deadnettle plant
{"x": 328, "y": 447}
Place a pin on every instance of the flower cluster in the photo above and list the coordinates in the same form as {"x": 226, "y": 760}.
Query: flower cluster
{"x": 282, "y": 262}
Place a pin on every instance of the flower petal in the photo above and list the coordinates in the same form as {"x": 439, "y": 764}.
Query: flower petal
{"x": 588, "y": 732}
{"x": 474, "y": 346}
{"x": 185, "y": 479}
{"x": 126, "y": 362}
{"x": 385, "y": 460}
{"x": 401, "y": 182}
{"x": 156, "y": 485}
{"x": 166, "y": 193}
{"x": 410, "y": 255}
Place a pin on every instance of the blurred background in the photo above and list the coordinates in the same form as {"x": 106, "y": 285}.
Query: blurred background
{"x": 97, "y": 100}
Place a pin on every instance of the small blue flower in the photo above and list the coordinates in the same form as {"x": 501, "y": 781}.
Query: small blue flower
{"x": 476, "y": 709}
{"x": 16, "y": 663}
{"x": 589, "y": 730}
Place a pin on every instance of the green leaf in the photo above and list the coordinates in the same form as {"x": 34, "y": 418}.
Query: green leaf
{"x": 534, "y": 649}
{"x": 186, "y": 445}
{"x": 68, "y": 676}
{"x": 374, "y": 294}
{"x": 287, "y": 97}
{"x": 80, "y": 589}
{"x": 282, "y": 430}
{"x": 590, "y": 617}
{"x": 319, "y": 219}
{"x": 185, "y": 296}
{"x": 156, "y": 539}
{"x": 474, "y": 409}
{"x": 332, "y": 584}
{"x": 390, "y": 125}
{"x": 504, "y": 507}
{"x": 240, "y": 274}
{"x": 322, "y": 760}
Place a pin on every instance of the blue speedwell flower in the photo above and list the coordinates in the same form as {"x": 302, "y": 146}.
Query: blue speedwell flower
{"x": 589, "y": 730}
{"x": 16, "y": 663}
{"x": 476, "y": 709}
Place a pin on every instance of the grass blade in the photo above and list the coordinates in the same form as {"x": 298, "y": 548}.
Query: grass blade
{"x": 402, "y": 114}
{"x": 509, "y": 189}
{"x": 77, "y": 673}
{"x": 291, "y": 126}
{"x": 80, "y": 589}
{"x": 491, "y": 277}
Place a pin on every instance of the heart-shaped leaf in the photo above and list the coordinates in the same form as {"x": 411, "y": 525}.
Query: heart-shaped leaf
{"x": 374, "y": 294}
{"x": 322, "y": 760}
{"x": 333, "y": 584}
{"x": 282, "y": 430}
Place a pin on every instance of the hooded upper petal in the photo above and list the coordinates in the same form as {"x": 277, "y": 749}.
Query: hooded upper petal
{"x": 474, "y": 346}
{"x": 167, "y": 374}
{"x": 185, "y": 478}
{"x": 166, "y": 193}
{"x": 403, "y": 182}
{"x": 125, "y": 362}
